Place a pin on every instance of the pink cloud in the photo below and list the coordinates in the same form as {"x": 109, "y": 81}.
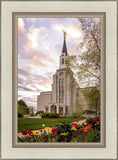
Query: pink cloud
{"x": 28, "y": 47}
{"x": 40, "y": 42}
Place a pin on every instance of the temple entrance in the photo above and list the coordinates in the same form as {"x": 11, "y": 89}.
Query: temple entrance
{"x": 66, "y": 111}
{"x": 53, "y": 109}
{"x": 61, "y": 110}
{"x": 46, "y": 110}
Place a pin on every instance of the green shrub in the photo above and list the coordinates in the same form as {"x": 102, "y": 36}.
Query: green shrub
{"x": 32, "y": 114}
{"x": 77, "y": 139}
{"x": 94, "y": 124}
{"x": 64, "y": 132}
{"x": 19, "y": 115}
{"x": 93, "y": 136}
{"x": 88, "y": 112}
{"x": 45, "y": 115}
{"x": 40, "y": 112}
{"x": 90, "y": 120}
{"x": 64, "y": 127}
{"x": 75, "y": 114}
{"x": 50, "y": 115}
{"x": 74, "y": 139}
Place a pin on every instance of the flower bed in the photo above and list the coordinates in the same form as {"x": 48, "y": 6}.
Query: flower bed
{"x": 65, "y": 132}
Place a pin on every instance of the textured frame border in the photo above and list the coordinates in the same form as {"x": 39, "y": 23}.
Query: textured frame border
{"x": 14, "y": 76}
{"x": 15, "y": 17}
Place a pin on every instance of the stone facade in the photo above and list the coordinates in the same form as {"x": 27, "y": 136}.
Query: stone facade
{"x": 65, "y": 92}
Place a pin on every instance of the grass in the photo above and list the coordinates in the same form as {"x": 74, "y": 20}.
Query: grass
{"x": 36, "y": 123}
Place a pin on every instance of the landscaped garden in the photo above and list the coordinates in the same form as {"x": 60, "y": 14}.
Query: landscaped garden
{"x": 59, "y": 130}
{"x": 36, "y": 123}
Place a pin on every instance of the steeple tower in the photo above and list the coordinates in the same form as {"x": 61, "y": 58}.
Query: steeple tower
{"x": 64, "y": 54}
{"x": 64, "y": 50}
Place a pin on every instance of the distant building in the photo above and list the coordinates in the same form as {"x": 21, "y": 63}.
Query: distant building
{"x": 65, "y": 92}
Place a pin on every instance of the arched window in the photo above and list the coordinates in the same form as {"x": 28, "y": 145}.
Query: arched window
{"x": 61, "y": 74}
{"x": 53, "y": 109}
{"x": 61, "y": 110}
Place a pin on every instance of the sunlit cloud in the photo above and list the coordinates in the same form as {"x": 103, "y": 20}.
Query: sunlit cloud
{"x": 72, "y": 31}
{"x": 40, "y": 42}
{"x": 38, "y": 52}
{"x": 20, "y": 24}
{"x": 34, "y": 35}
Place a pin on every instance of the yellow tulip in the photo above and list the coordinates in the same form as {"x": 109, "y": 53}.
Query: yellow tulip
{"x": 85, "y": 123}
{"x": 74, "y": 129}
{"x": 96, "y": 123}
{"x": 48, "y": 128}
{"x": 64, "y": 134}
{"x": 34, "y": 133}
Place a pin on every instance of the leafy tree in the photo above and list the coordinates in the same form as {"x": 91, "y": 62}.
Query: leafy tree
{"x": 31, "y": 110}
{"x": 21, "y": 102}
{"x": 92, "y": 96}
{"x": 87, "y": 64}
{"x": 79, "y": 107}
{"x": 88, "y": 112}
{"x": 22, "y": 107}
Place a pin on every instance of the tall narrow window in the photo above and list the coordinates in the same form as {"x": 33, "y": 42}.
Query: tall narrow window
{"x": 62, "y": 60}
{"x": 61, "y": 90}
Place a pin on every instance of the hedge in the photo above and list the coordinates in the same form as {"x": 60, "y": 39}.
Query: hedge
{"x": 20, "y": 115}
{"x": 40, "y": 112}
{"x": 50, "y": 115}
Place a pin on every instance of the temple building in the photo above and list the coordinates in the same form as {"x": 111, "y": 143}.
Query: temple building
{"x": 65, "y": 91}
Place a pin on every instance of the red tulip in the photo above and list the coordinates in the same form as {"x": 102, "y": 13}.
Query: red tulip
{"x": 54, "y": 129}
{"x": 94, "y": 120}
{"x": 90, "y": 125}
{"x": 53, "y": 121}
{"x": 41, "y": 130}
{"x": 30, "y": 132}
{"x": 55, "y": 134}
{"x": 87, "y": 128}
{"x": 75, "y": 125}
{"x": 24, "y": 132}
{"x": 84, "y": 131}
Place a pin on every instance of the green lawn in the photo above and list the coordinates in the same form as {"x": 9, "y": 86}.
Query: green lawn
{"x": 36, "y": 123}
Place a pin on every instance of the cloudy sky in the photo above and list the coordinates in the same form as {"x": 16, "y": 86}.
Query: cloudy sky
{"x": 40, "y": 42}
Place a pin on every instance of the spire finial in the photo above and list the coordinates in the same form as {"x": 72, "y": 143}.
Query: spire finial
{"x": 64, "y": 50}
{"x": 64, "y": 34}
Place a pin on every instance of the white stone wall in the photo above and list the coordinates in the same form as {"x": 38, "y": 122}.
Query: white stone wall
{"x": 68, "y": 97}
{"x": 57, "y": 84}
{"x": 43, "y": 100}
{"x": 65, "y": 58}
{"x": 46, "y": 99}
{"x": 74, "y": 93}
{"x": 54, "y": 89}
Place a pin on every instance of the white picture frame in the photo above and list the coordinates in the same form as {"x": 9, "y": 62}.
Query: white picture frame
{"x": 8, "y": 151}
